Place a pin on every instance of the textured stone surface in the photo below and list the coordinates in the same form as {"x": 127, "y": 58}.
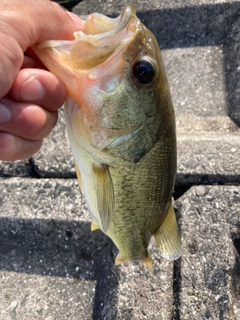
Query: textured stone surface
{"x": 209, "y": 269}
{"x": 18, "y": 168}
{"x": 54, "y": 159}
{"x": 53, "y": 267}
{"x": 112, "y": 6}
{"x": 208, "y": 151}
{"x": 142, "y": 295}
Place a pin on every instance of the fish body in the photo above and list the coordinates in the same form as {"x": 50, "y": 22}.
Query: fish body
{"x": 121, "y": 126}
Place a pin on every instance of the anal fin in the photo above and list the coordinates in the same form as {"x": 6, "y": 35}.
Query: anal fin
{"x": 148, "y": 262}
{"x": 167, "y": 237}
{"x": 94, "y": 226}
{"x": 105, "y": 194}
{"x": 119, "y": 259}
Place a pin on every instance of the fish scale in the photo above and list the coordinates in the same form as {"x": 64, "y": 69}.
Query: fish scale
{"x": 133, "y": 205}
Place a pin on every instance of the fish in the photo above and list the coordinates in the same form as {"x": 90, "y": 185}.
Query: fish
{"x": 121, "y": 127}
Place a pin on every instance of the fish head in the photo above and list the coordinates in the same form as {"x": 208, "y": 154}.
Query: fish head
{"x": 120, "y": 103}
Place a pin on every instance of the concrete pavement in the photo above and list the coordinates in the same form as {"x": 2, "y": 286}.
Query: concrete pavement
{"x": 53, "y": 267}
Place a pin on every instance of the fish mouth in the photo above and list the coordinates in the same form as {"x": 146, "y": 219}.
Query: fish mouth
{"x": 101, "y": 36}
{"x": 127, "y": 13}
{"x": 95, "y": 42}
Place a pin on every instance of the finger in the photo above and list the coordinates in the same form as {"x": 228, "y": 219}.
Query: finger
{"x": 45, "y": 20}
{"x": 39, "y": 87}
{"x": 14, "y": 148}
{"x": 25, "y": 120}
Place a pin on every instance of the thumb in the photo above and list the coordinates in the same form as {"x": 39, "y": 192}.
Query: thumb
{"x": 22, "y": 26}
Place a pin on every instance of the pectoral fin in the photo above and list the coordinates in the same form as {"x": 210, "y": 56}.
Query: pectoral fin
{"x": 167, "y": 237}
{"x": 105, "y": 194}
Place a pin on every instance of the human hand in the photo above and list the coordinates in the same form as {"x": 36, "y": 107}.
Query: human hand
{"x": 29, "y": 95}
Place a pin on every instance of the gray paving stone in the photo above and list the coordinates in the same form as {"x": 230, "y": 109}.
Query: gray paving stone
{"x": 196, "y": 80}
{"x": 53, "y": 267}
{"x": 54, "y": 159}
{"x": 208, "y": 273}
{"x": 208, "y": 151}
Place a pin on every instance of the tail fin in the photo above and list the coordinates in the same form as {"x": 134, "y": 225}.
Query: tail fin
{"x": 147, "y": 261}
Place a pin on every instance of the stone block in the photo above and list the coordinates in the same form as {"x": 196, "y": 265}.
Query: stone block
{"x": 207, "y": 276}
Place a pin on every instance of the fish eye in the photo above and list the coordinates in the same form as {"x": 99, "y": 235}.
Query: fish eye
{"x": 143, "y": 71}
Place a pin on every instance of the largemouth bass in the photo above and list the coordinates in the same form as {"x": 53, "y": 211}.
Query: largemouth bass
{"x": 121, "y": 126}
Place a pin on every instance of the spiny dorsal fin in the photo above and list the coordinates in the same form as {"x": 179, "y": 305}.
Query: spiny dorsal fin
{"x": 167, "y": 237}
{"x": 105, "y": 194}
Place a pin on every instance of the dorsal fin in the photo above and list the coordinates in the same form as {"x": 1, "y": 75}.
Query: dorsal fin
{"x": 105, "y": 194}
{"x": 167, "y": 237}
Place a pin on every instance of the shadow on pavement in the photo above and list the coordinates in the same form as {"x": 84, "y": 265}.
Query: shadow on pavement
{"x": 62, "y": 249}
{"x": 187, "y": 180}
{"x": 235, "y": 272}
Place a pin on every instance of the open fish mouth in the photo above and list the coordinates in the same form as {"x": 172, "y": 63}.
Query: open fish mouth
{"x": 101, "y": 37}
{"x": 98, "y": 38}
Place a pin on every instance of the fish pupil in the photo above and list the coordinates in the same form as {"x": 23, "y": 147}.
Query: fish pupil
{"x": 143, "y": 71}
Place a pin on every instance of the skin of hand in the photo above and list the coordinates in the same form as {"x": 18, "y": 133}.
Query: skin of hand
{"x": 29, "y": 94}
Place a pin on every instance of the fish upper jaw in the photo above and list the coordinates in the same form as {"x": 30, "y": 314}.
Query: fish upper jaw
{"x": 102, "y": 27}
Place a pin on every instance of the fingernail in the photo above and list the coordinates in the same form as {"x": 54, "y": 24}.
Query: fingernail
{"x": 32, "y": 90}
{"x": 5, "y": 114}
